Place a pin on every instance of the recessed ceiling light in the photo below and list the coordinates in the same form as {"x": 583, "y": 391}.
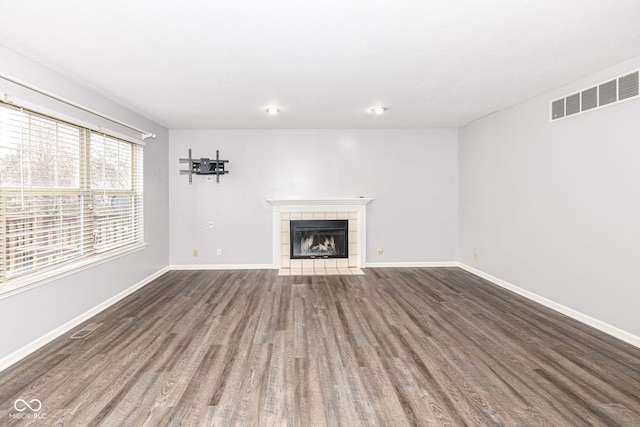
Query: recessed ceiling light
{"x": 273, "y": 110}
{"x": 378, "y": 110}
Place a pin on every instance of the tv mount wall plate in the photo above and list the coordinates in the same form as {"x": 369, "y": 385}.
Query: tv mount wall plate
{"x": 204, "y": 166}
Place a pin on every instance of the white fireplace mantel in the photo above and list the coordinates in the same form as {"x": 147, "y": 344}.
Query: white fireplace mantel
{"x": 345, "y": 204}
{"x": 356, "y": 204}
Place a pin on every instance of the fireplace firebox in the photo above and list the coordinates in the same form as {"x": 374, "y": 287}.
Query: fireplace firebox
{"x": 319, "y": 239}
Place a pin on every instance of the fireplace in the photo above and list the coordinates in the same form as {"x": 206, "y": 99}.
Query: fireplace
{"x": 311, "y": 239}
{"x": 328, "y": 257}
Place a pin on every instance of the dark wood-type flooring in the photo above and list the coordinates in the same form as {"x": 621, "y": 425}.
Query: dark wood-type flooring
{"x": 394, "y": 347}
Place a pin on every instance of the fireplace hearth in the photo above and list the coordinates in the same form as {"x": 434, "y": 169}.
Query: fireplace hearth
{"x": 311, "y": 239}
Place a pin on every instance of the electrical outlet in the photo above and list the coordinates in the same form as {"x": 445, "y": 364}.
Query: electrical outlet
{"x": 195, "y": 252}
{"x": 380, "y": 250}
{"x": 475, "y": 256}
{"x": 219, "y": 251}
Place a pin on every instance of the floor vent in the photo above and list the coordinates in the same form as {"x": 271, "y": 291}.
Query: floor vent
{"x": 84, "y": 332}
{"x": 608, "y": 93}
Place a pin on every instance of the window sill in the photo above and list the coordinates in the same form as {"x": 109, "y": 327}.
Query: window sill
{"x": 22, "y": 285}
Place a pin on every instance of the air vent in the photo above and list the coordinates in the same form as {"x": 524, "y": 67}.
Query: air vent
{"x": 605, "y": 94}
{"x": 557, "y": 109}
{"x": 573, "y": 104}
{"x": 628, "y": 86}
{"x": 589, "y": 98}
{"x": 84, "y": 332}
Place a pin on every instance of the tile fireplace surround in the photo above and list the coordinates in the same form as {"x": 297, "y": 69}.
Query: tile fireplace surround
{"x": 352, "y": 209}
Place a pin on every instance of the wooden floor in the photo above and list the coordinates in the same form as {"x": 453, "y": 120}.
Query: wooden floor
{"x": 394, "y": 347}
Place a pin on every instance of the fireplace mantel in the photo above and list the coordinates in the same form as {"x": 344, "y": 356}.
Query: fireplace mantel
{"x": 355, "y": 208}
{"x": 324, "y": 204}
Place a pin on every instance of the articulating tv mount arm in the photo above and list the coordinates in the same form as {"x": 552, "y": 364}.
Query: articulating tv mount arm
{"x": 204, "y": 166}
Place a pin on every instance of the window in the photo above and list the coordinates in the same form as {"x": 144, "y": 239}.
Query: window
{"x": 67, "y": 194}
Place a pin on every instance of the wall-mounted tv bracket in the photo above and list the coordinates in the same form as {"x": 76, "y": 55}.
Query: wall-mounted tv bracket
{"x": 204, "y": 166}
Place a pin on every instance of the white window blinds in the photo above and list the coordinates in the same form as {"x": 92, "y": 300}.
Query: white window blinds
{"x": 116, "y": 176}
{"x": 66, "y": 193}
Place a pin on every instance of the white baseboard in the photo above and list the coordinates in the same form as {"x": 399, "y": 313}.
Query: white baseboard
{"x": 23, "y": 352}
{"x": 222, "y": 267}
{"x": 581, "y": 317}
{"x": 411, "y": 264}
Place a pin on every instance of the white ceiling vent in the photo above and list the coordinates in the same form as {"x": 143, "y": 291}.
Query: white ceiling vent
{"x": 605, "y": 94}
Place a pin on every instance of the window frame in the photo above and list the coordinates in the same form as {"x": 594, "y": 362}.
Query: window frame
{"x": 88, "y": 256}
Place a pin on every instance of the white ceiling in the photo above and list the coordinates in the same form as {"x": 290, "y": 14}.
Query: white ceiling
{"x": 213, "y": 64}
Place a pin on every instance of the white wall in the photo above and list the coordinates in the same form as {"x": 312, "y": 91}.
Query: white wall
{"x": 412, "y": 174}
{"x": 554, "y": 208}
{"x": 32, "y": 314}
